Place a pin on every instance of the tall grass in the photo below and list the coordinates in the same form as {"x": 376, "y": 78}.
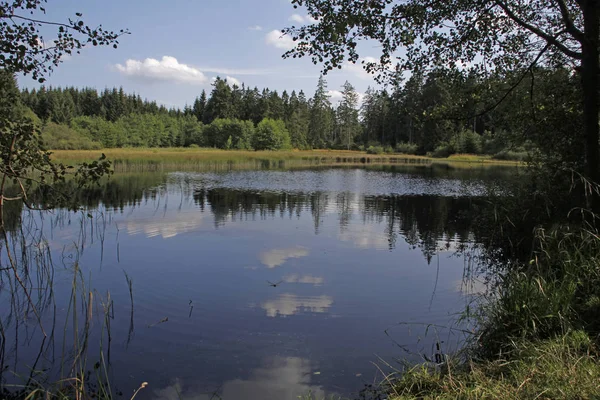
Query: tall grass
{"x": 64, "y": 338}
{"x": 539, "y": 330}
{"x": 566, "y": 367}
{"x": 168, "y": 159}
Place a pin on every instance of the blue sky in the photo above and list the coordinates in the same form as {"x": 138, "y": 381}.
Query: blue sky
{"x": 176, "y": 47}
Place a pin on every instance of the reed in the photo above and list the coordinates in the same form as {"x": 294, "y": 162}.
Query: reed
{"x": 538, "y": 332}
{"x": 30, "y": 269}
{"x": 168, "y": 159}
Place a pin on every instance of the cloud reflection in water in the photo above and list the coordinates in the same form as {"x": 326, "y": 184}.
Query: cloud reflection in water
{"x": 291, "y": 304}
{"x": 166, "y": 227}
{"x": 277, "y": 257}
{"x": 282, "y": 378}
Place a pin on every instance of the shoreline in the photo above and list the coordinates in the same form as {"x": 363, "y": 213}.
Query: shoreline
{"x": 177, "y": 156}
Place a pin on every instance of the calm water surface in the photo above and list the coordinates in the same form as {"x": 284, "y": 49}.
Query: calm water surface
{"x": 266, "y": 284}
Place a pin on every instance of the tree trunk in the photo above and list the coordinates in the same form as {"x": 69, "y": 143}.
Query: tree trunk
{"x": 589, "y": 79}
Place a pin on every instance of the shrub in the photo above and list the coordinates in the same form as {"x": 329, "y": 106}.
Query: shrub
{"x": 468, "y": 142}
{"x": 271, "y": 134}
{"x": 61, "y": 137}
{"x": 229, "y": 134}
{"x": 407, "y": 148}
{"x": 509, "y": 155}
{"x": 444, "y": 150}
{"x": 375, "y": 150}
{"x": 100, "y": 130}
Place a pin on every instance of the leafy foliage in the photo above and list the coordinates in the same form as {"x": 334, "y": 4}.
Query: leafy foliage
{"x": 271, "y": 135}
{"x": 509, "y": 39}
{"x": 61, "y": 137}
{"x": 229, "y": 134}
{"x": 25, "y": 162}
{"x": 23, "y": 48}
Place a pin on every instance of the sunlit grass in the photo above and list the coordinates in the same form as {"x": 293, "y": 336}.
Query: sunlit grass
{"x": 131, "y": 159}
{"x": 208, "y": 154}
{"x": 563, "y": 368}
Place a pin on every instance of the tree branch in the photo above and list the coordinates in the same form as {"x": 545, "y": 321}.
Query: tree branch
{"x": 569, "y": 24}
{"x": 36, "y": 21}
{"x": 552, "y": 40}
{"x": 510, "y": 90}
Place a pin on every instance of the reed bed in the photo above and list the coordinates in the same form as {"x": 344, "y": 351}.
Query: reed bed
{"x": 170, "y": 159}
{"x": 73, "y": 349}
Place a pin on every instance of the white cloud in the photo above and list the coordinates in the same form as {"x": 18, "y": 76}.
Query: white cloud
{"x": 335, "y": 96}
{"x": 235, "y": 71}
{"x": 275, "y": 38}
{"x": 297, "y": 18}
{"x": 358, "y": 68}
{"x": 232, "y": 81}
{"x": 255, "y": 28}
{"x": 302, "y": 19}
{"x": 167, "y": 69}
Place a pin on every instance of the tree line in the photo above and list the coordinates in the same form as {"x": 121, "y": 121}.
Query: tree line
{"x": 438, "y": 113}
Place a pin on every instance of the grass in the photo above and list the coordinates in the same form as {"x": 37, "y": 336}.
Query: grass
{"x": 562, "y": 368}
{"x": 60, "y": 370}
{"x": 538, "y": 334}
{"x": 142, "y": 159}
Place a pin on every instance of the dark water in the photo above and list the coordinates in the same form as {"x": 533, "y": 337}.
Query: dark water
{"x": 364, "y": 264}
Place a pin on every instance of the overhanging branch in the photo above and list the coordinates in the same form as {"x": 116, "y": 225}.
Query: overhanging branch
{"x": 568, "y": 20}
{"x": 552, "y": 40}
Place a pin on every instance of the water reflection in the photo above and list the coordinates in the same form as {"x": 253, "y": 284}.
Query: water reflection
{"x": 289, "y": 304}
{"x": 309, "y": 279}
{"x": 282, "y": 378}
{"x": 350, "y": 250}
{"x": 164, "y": 226}
{"x": 277, "y": 257}
{"x": 427, "y": 222}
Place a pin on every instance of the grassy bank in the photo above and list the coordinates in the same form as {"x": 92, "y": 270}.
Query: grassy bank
{"x": 539, "y": 330}
{"x": 133, "y": 159}
{"x": 565, "y": 367}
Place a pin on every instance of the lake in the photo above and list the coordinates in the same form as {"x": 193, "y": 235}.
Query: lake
{"x": 258, "y": 284}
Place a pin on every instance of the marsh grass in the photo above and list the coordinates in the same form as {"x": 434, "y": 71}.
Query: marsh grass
{"x": 62, "y": 368}
{"x": 169, "y": 159}
{"x": 538, "y": 331}
{"x": 565, "y": 367}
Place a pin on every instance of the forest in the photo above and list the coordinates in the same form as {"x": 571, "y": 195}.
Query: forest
{"x": 439, "y": 114}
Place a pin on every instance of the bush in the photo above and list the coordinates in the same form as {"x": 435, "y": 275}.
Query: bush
{"x": 61, "y": 137}
{"x": 563, "y": 368}
{"x": 444, "y": 150}
{"x": 271, "y": 134}
{"x": 407, "y": 148}
{"x": 229, "y": 134}
{"x": 468, "y": 142}
{"x": 375, "y": 150}
{"x": 509, "y": 155}
{"x": 100, "y": 130}
{"x": 194, "y": 146}
{"x": 557, "y": 291}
